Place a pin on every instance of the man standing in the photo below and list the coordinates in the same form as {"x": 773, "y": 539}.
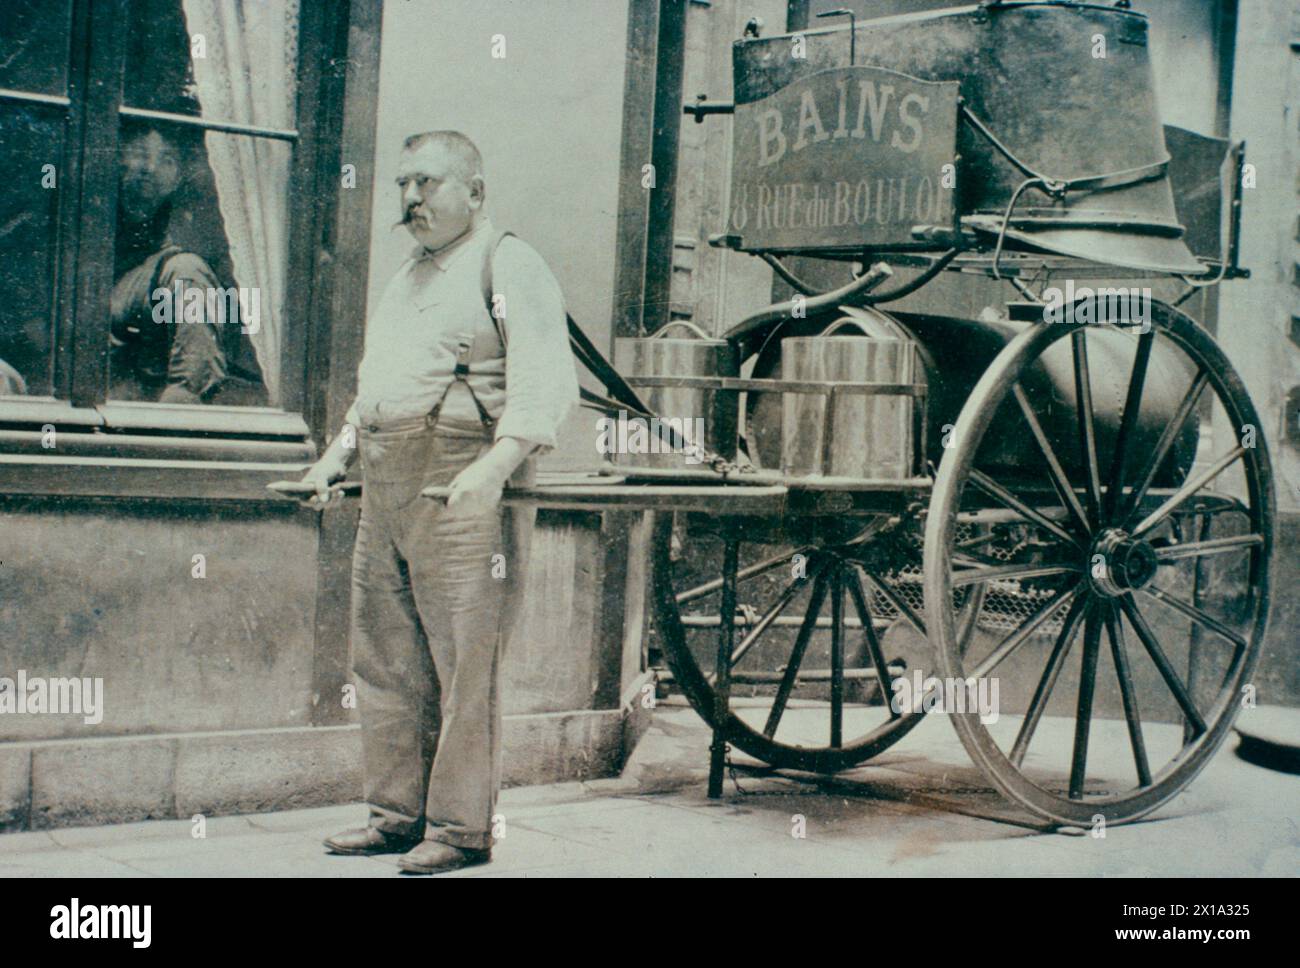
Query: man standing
{"x": 449, "y": 393}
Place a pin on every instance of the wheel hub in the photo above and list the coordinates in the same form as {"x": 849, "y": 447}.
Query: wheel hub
{"x": 1125, "y": 564}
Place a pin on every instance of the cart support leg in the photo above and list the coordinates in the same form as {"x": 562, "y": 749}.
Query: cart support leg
{"x": 722, "y": 685}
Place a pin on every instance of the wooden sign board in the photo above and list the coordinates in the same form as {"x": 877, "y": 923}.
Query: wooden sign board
{"x": 848, "y": 158}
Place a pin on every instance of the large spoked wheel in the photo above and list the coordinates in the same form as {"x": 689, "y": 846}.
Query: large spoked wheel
{"x": 1158, "y": 548}
{"x": 795, "y": 678}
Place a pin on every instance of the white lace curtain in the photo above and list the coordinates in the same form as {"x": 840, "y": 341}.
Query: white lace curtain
{"x": 249, "y": 76}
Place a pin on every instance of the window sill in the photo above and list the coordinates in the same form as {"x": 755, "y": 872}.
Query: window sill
{"x": 145, "y": 450}
{"x": 196, "y": 419}
{"x": 108, "y": 477}
{"x": 46, "y": 410}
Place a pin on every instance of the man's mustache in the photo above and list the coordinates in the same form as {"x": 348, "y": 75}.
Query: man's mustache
{"x": 409, "y": 216}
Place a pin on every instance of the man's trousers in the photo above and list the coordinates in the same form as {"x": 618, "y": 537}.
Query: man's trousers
{"x": 431, "y": 590}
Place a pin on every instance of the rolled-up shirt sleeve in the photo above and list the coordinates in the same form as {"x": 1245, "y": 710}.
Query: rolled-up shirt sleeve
{"x": 541, "y": 380}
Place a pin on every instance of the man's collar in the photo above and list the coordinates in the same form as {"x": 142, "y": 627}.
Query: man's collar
{"x": 448, "y": 253}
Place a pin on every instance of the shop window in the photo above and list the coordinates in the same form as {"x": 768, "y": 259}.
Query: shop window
{"x": 201, "y": 235}
{"x": 152, "y": 151}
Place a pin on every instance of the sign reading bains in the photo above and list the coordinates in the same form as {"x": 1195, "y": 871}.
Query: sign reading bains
{"x": 852, "y": 158}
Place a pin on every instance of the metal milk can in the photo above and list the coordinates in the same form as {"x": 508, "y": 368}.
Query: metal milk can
{"x": 695, "y": 411}
{"x": 846, "y": 433}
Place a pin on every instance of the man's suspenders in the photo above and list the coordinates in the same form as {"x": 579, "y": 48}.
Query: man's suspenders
{"x": 461, "y": 372}
{"x": 485, "y": 281}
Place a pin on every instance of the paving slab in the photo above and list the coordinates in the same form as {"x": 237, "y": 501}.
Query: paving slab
{"x": 918, "y": 809}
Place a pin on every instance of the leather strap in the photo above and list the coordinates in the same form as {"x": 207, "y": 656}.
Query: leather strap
{"x": 485, "y": 281}
{"x": 583, "y": 349}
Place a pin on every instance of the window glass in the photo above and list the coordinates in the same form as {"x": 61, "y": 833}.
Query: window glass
{"x": 34, "y": 38}
{"x": 202, "y": 225}
{"x": 34, "y": 45}
{"x": 31, "y": 151}
{"x": 224, "y": 60}
{"x": 199, "y": 263}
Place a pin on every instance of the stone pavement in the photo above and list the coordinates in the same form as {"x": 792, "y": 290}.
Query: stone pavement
{"x": 919, "y": 809}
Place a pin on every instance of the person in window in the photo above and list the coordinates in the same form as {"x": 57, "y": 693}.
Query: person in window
{"x": 156, "y": 354}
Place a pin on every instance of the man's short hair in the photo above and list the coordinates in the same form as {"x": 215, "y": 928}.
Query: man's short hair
{"x": 466, "y": 160}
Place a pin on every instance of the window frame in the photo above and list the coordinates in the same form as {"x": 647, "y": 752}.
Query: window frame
{"x": 209, "y": 451}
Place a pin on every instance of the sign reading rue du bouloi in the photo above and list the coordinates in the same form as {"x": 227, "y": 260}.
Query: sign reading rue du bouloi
{"x": 852, "y": 157}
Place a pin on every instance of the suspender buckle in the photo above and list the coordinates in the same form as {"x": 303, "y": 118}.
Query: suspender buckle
{"x": 462, "y": 361}
{"x": 461, "y": 373}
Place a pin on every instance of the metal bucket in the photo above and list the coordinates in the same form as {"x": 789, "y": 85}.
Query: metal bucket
{"x": 850, "y": 434}
{"x": 695, "y": 411}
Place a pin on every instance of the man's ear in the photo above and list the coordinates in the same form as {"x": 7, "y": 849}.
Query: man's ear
{"x": 477, "y": 191}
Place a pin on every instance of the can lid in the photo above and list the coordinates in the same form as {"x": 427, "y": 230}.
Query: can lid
{"x": 699, "y": 334}
{"x": 871, "y": 323}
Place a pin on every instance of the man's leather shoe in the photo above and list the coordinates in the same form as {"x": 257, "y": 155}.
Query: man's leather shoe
{"x": 434, "y": 857}
{"x": 369, "y": 840}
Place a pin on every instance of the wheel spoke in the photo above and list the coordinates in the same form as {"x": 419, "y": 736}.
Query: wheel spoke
{"x": 1083, "y": 716}
{"x": 973, "y": 559}
{"x": 900, "y": 606}
{"x": 1118, "y": 651}
{"x": 975, "y": 542}
{"x": 700, "y": 591}
{"x": 1196, "y": 615}
{"x": 1195, "y": 641}
{"x": 970, "y": 617}
{"x": 1059, "y": 478}
{"x": 877, "y": 654}
{"x": 1187, "y": 490}
{"x": 1087, "y": 430}
{"x": 783, "y": 691}
{"x": 1047, "y": 683}
{"x": 974, "y": 576}
{"x": 1215, "y": 546}
{"x": 837, "y": 657}
{"x": 1132, "y": 405}
{"x": 1021, "y": 635}
{"x": 1167, "y": 438}
{"x": 996, "y": 490}
{"x": 1162, "y": 663}
{"x": 768, "y": 617}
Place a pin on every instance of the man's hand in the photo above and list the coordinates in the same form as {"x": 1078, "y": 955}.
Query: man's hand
{"x": 326, "y": 471}
{"x": 332, "y": 467}
{"x": 477, "y": 489}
